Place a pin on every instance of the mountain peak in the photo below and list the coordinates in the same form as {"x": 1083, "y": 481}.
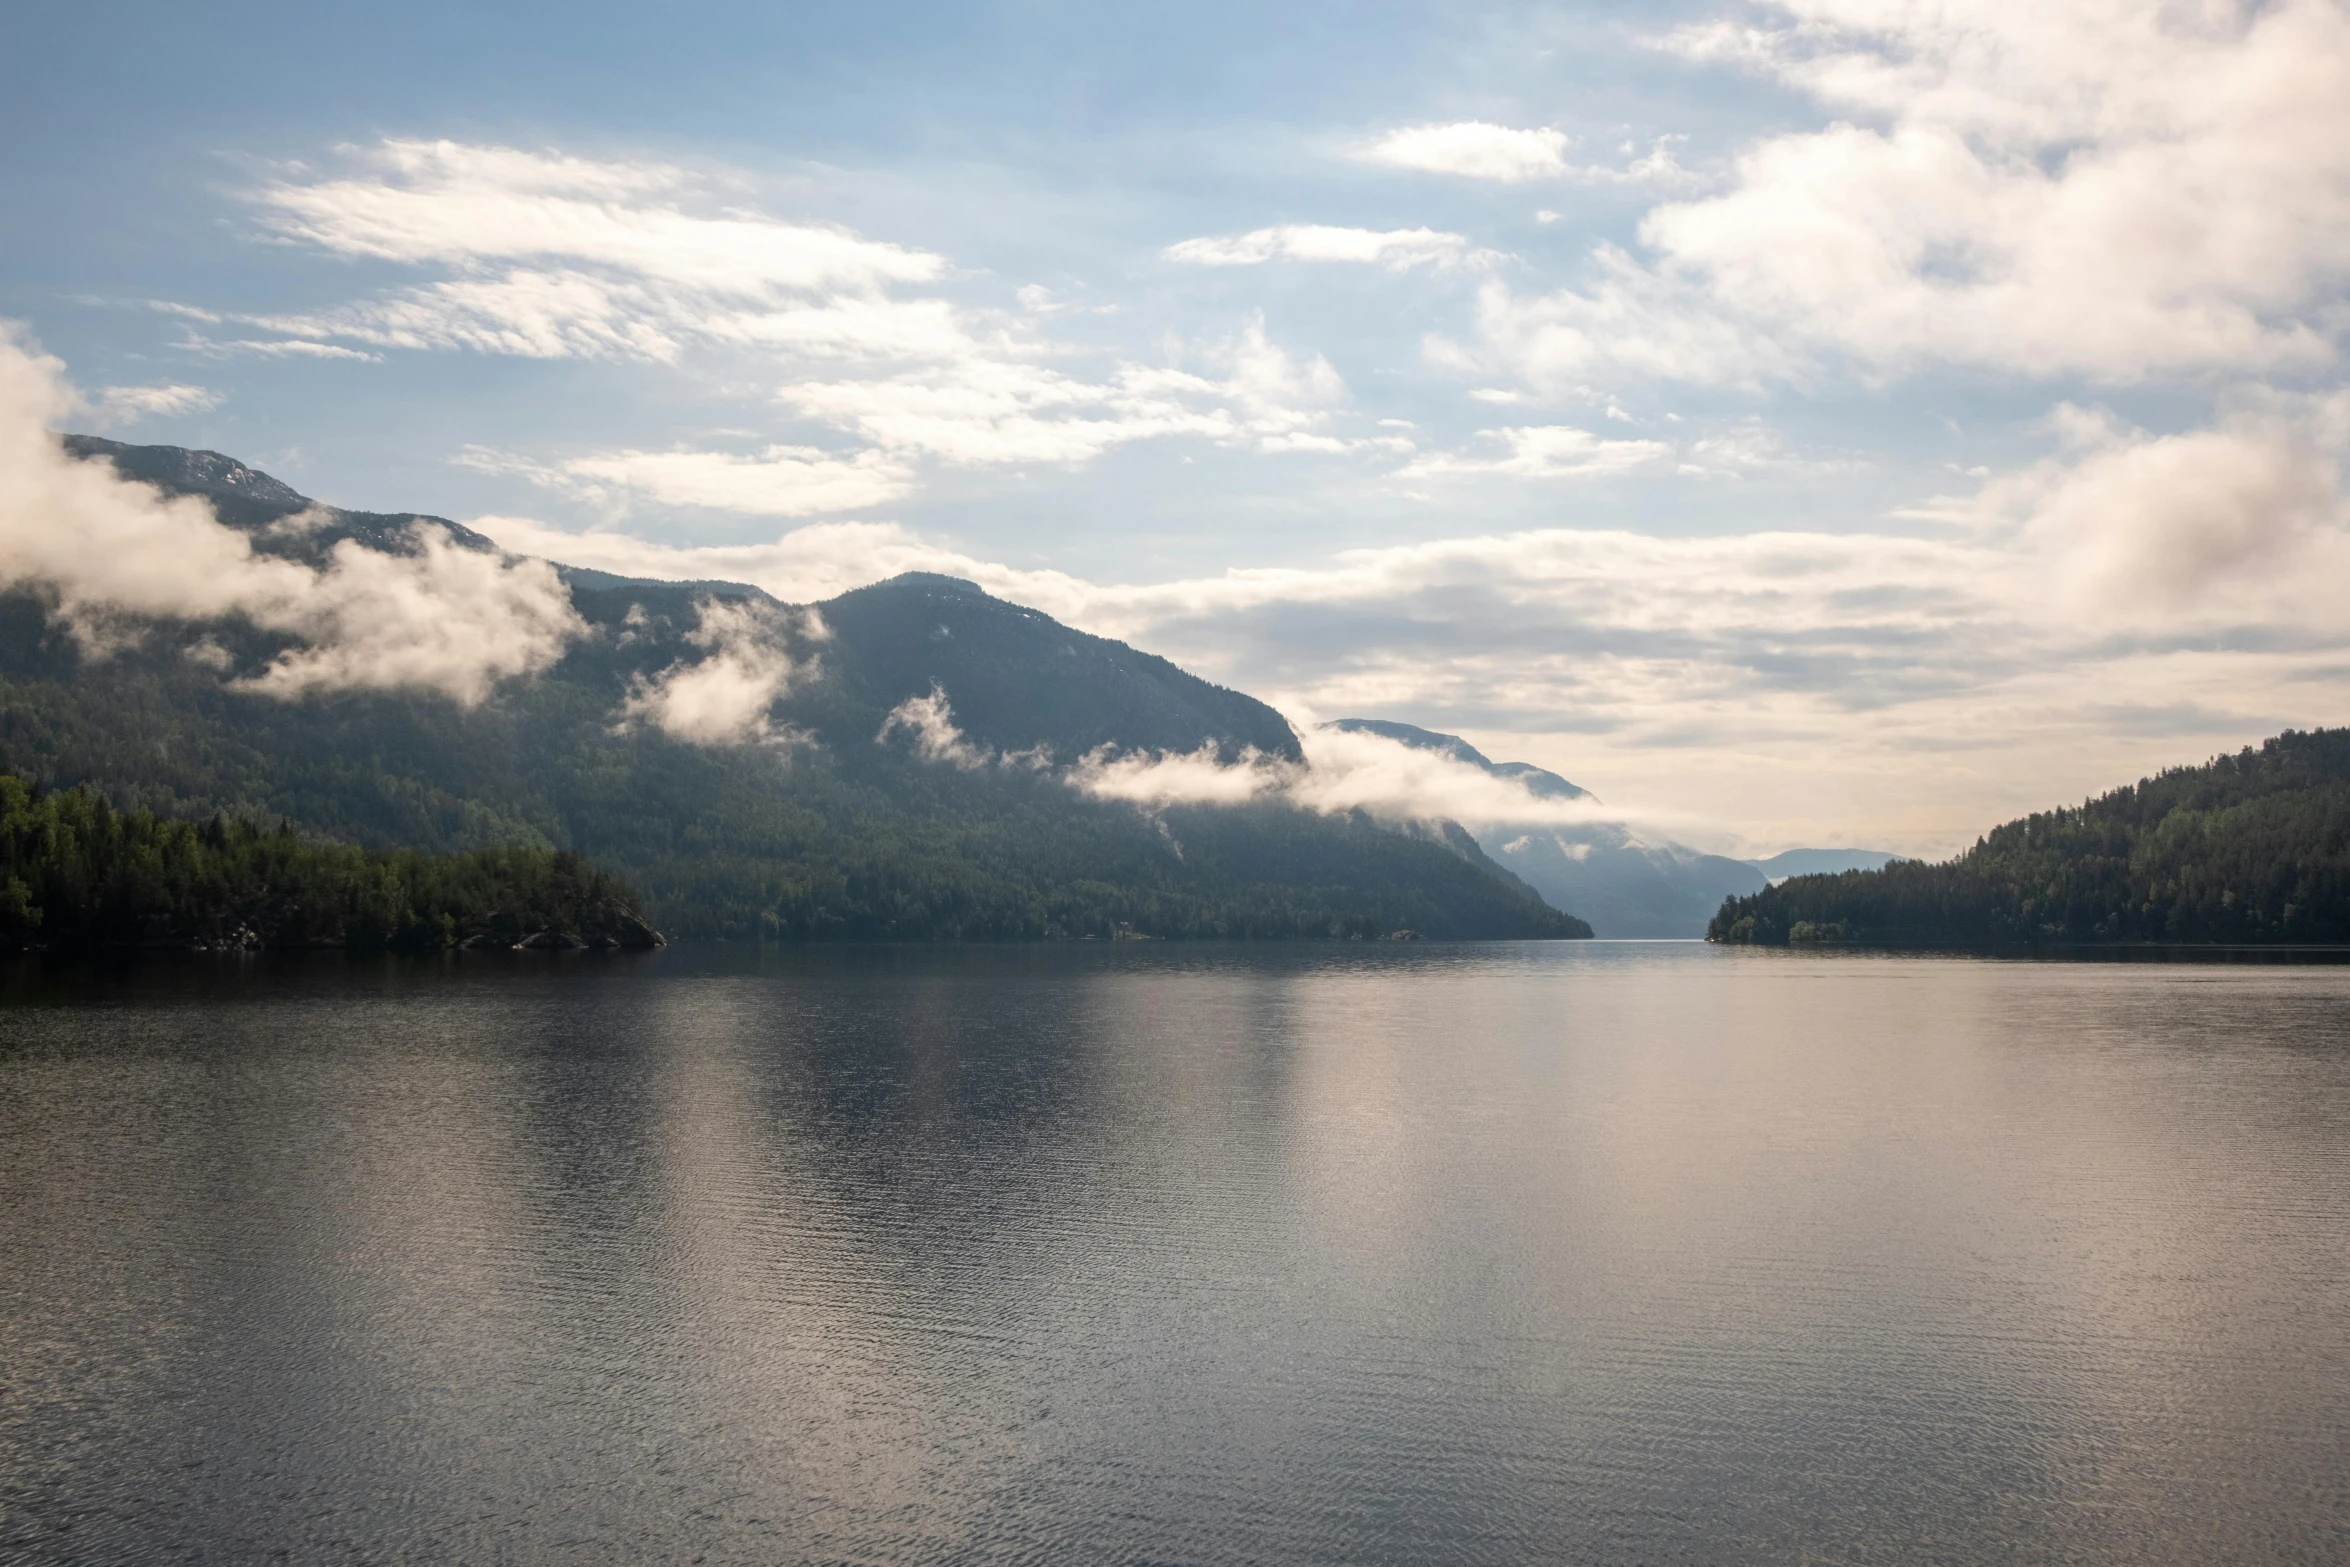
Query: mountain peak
{"x": 186, "y": 471}
{"x": 934, "y": 582}
{"x": 1536, "y": 781}
{"x": 249, "y": 500}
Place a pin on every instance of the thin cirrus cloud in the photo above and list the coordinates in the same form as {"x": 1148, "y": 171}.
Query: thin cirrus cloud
{"x": 1396, "y": 250}
{"x": 780, "y": 481}
{"x": 443, "y": 201}
{"x": 554, "y": 256}
{"x": 2108, "y": 192}
{"x": 175, "y": 400}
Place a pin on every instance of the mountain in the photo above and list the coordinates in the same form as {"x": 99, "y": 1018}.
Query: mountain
{"x": 283, "y": 521}
{"x": 1019, "y": 678}
{"x": 2250, "y": 848}
{"x": 1628, "y": 885}
{"x": 901, "y": 762}
{"x": 1625, "y": 884}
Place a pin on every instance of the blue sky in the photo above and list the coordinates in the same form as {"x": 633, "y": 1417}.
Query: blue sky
{"x": 1807, "y": 422}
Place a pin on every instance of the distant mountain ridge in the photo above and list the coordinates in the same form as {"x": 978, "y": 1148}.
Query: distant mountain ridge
{"x": 251, "y": 501}
{"x": 1627, "y": 885}
{"x": 835, "y": 824}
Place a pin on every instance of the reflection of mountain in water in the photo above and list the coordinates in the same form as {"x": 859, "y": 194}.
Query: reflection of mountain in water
{"x": 1624, "y": 884}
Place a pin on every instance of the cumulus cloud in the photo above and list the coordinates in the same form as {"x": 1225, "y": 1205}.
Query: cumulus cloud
{"x": 440, "y": 617}
{"x": 2113, "y": 190}
{"x": 727, "y": 696}
{"x": 130, "y": 404}
{"x": 1472, "y": 149}
{"x": 1398, "y": 250}
{"x": 2244, "y": 520}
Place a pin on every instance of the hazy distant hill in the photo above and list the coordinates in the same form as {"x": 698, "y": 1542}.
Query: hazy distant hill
{"x": 1625, "y": 885}
{"x": 2253, "y": 847}
{"x": 827, "y": 829}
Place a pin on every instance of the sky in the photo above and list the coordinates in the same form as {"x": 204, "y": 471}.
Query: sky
{"x": 1834, "y": 422}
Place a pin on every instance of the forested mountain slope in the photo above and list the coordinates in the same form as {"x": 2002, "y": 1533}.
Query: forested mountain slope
{"x": 825, "y": 822}
{"x": 2253, "y": 847}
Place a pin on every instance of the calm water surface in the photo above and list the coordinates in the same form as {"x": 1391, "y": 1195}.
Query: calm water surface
{"x": 1590, "y": 1253}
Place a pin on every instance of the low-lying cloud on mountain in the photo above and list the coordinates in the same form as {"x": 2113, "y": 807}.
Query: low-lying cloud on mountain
{"x": 441, "y": 616}
{"x": 1343, "y": 770}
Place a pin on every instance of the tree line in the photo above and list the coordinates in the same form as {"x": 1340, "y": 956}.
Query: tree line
{"x": 78, "y": 874}
{"x": 2248, "y": 848}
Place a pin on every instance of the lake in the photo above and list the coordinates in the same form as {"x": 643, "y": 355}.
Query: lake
{"x": 1593, "y": 1252}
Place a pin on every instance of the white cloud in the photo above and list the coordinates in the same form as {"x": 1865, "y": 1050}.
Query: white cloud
{"x": 1542, "y": 452}
{"x": 986, "y": 411}
{"x": 929, "y": 722}
{"x": 1628, "y": 321}
{"x": 2110, "y": 189}
{"x": 1343, "y": 771}
{"x": 1398, "y": 250}
{"x": 726, "y": 697}
{"x": 552, "y": 256}
{"x": 130, "y": 404}
{"x": 442, "y": 617}
{"x": 780, "y": 481}
{"x": 1472, "y": 149}
{"x": 276, "y": 348}
{"x": 2241, "y": 521}
{"x": 442, "y": 201}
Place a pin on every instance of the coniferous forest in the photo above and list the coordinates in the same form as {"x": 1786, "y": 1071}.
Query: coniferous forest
{"x": 77, "y": 874}
{"x": 2249, "y": 848}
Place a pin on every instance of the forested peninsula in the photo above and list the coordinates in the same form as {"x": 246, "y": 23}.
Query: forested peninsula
{"x": 78, "y": 875}
{"x": 2252, "y": 849}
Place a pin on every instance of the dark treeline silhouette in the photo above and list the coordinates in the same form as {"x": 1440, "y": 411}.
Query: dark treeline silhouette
{"x": 77, "y": 874}
{"x": 2251, "y": 848}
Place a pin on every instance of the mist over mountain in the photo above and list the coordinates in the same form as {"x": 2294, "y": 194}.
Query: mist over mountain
{"x": 915, "y": 759}
{"x": 1628, "y": 883}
